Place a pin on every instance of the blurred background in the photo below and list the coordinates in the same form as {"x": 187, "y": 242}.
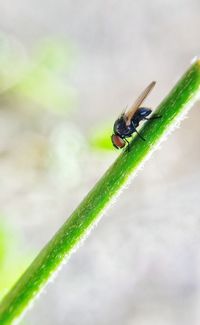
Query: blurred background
{"x": 67, "y": 70}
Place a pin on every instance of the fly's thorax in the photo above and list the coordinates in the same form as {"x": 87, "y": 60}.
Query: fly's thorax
{"x": 121, "y": 128}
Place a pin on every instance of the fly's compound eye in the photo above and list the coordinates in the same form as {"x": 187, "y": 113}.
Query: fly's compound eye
{"x": 117, "y": 141}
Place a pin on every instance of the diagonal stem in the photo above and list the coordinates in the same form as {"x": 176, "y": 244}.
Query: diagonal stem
{"x": 171, "y": 110}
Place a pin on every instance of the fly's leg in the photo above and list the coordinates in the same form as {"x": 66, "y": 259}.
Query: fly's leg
{"x": 141, "y": 137}
{"x": 128, "y": 146}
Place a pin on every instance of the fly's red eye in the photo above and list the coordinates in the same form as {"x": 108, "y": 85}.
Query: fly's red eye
{"x": 117, "y": 141}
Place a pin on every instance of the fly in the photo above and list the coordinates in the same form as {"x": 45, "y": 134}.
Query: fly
{"x": 127, "y": 123}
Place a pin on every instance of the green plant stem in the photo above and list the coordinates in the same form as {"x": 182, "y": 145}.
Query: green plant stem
{"x": 182, "y": 96}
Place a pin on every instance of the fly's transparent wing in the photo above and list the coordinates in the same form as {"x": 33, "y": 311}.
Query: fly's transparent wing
{"x": 131, "y": 111}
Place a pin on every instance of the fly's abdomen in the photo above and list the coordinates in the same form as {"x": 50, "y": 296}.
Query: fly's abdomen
{"x": 143, "y": 112}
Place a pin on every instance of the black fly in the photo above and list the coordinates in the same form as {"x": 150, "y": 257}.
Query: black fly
{"x": 128, "y": 122}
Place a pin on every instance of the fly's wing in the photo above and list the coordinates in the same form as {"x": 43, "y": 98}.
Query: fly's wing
{"x": 131, "y": 111}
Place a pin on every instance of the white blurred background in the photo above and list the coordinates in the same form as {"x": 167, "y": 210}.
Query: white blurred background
{"x": 67, "y": 69}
